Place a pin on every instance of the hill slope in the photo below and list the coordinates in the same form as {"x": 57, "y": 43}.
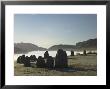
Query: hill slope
{"x": 89, "y": 44}
{"x": 64, "y": 47}
{"x": 26, "y": 47}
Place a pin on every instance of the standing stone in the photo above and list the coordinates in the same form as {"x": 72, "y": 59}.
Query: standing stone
{"x": 65, "y": 61}
{"x": 46, "y": 54}
{"x": 61, "y": 59}
{"x": 33, "y": 58}
{"x": 21, "y": 59}
{"x": 72, "y": 53}
{"x": 27, "y": 62}
{"x": 84, "y": 52}
{"x": 50, "y": 62}
{"x": 40, "y": 62}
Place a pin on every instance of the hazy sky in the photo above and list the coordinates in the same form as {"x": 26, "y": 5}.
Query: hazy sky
{"x": 46, "y": 30}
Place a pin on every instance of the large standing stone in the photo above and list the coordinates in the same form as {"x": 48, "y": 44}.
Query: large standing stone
{"x": 65, "y": 60}
{"x": 33, "y": 58}
{"x": 21, "y": 59}
{"x": 40, "y": 62}
{"x": 72, "y": 53}
{"x": 84, "y": 52}
{"x": 50, "y": 62}
{"x": 46, "y": 54}
{"x": 61, "y": 60}
{"x": 27, "y": 62}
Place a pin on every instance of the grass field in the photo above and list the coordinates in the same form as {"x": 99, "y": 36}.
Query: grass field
{"x": 78, "y": 66}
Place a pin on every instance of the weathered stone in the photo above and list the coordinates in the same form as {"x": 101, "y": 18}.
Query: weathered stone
{"x": 46, "y": 54}
{"x": 50, "y": 62}
{"x": 21, "y": 59}
{"x": 65, "y": 60}
{"x": 61, "y": 60}
{"x": 84, "y": 52}
{"x": 27, "y": 62}
{"x": 33, "y": 58}
{"x": 72, "y": 53}
{"x": 40, "y": 62}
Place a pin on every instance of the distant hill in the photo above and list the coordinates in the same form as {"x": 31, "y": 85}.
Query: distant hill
{"x": 89, "y": 44}
{"x": 64, "y": 47}
{"x": 19, "y": 50}
{"x": 26, "y": 47}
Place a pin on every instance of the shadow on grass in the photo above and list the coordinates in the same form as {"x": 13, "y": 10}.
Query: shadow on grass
{"x": 72, "y": 69}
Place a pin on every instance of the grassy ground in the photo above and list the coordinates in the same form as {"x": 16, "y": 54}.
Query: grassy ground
{"x": 78, "y": 66}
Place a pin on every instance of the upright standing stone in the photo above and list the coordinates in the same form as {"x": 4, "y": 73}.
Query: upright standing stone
{"x": 27, "y": 62}
{"x": 21, "y": 59}
{"x": 72, "y": 53}
{"x": 50, "y": 62}
{"x": 84, "y": 52}
{"x": 65, "y": 60}
{"x": 61, "y": 60}
{"x": 40, "y": 62}
{"x": 46, "y": 54}
{"x": 33, "y": 58}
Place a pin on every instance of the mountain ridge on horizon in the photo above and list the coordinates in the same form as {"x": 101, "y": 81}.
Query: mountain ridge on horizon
{"x": 27, "y": 47}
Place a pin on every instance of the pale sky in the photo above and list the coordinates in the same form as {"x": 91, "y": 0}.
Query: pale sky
{"x": 45, "y": 30}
